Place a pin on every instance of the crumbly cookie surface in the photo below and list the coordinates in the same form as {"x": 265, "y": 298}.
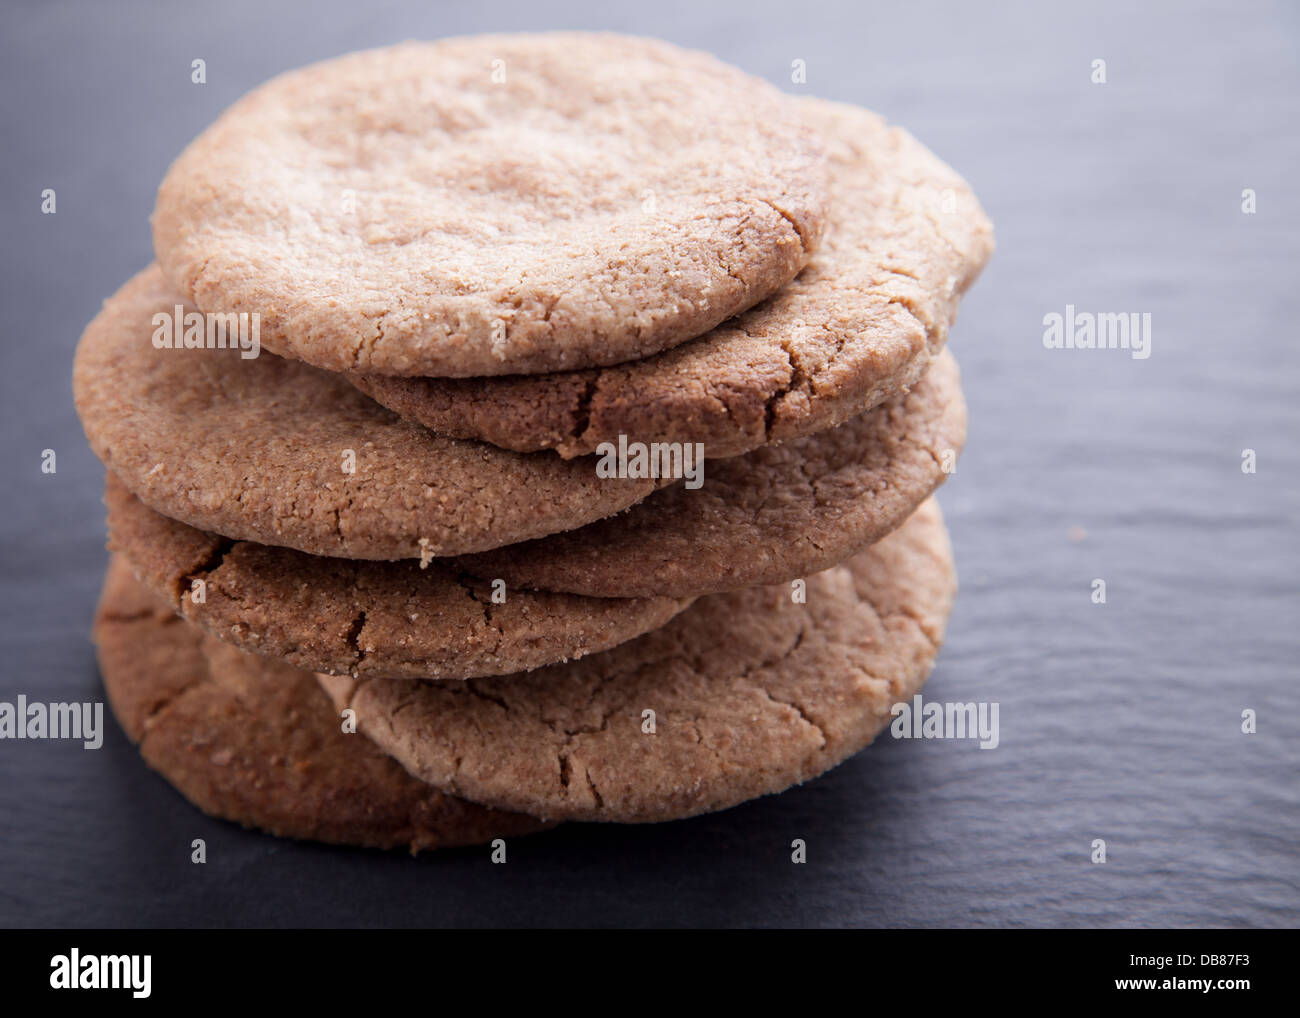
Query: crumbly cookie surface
{"x": 905, "y": 238}
{"x": 771, "y": 515}
{"x": 256, "y": 742}
{"x": 751, "y": 692}
{"x": 494, "y": 204}
{"x": 390, "y": 619}
{"x": 259, "y": 449}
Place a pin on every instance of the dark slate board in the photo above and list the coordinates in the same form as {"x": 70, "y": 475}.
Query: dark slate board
{"x": 1118, "y": 721}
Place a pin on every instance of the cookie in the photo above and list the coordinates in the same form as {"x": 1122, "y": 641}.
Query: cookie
{"x": 905, "y": 238}
{"x": 771, "y": 515}
{"x": 751, "y": 692}
{"x": 494, "y": 204}
{"x": 256, "y": 742}
{"x": 389, "y": 619}
{"x": 260, "y": 449}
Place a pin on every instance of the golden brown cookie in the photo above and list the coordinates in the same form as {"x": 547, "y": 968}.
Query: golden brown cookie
{"x": 751, "y": 692}
{"x": 390, "y": 619}
{"x": 494, "y": 204}
{"x": 256, "y": 742}
{"x": 905, "y": 238}
{"x": 276, "y": 451}
{"x": 771, "y": 515}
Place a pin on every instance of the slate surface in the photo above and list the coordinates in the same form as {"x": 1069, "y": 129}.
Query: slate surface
{"x": 1118, "y": 721}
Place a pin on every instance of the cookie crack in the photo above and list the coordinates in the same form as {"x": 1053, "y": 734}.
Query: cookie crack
{"x": 465, "y": 582}
{"x": 794, "y": 705}
{"x": 571, "y": 736}
{"x": 902, "y": 611}
{"x": 706, "y": 745}
{"x": 167, "y": 702}
{"x": 353, "y": 637}
{"x": 743, "y": 679}
{"x": 932, "y": 329}
{"x": 769, "y": 406}
{"x": 582, "y": 411}
{"x": 214, "y": 560}
{"x": 566, "y": 777}
{"x": 775, "y": 659}
{"x": 591, "y": 786}
{"x": 794, "y": 223}
{"x": 175, "y": 696}
{"x": 479, "y": 694}
{"x": 726, "y": 266}
{"x": 920, "y": 624}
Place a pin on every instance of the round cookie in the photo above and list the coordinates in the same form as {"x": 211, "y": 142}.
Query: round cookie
{"x": 260, "y": 448}
{"x": 494, "y": 204}
{"x": 771, "y": 515}
{"x": 256, "y": 742}
{"x": 390, "y": 619}
{"x": 752, "y": 692}
{"x": 905, "y": 238}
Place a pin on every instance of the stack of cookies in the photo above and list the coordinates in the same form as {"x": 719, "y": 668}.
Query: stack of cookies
{"x": 521, "y": 429}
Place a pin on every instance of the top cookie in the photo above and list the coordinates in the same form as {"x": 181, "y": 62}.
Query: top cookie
{"x": 494, "y": 204}
{"x": 905, "y": 238}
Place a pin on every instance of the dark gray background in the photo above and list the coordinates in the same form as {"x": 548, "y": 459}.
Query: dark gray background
{"x": 1118, "y": 721}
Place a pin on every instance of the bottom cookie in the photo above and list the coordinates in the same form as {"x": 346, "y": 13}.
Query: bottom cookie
{"x": 743, "y": 694}
{"x": 252, "y": 740}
